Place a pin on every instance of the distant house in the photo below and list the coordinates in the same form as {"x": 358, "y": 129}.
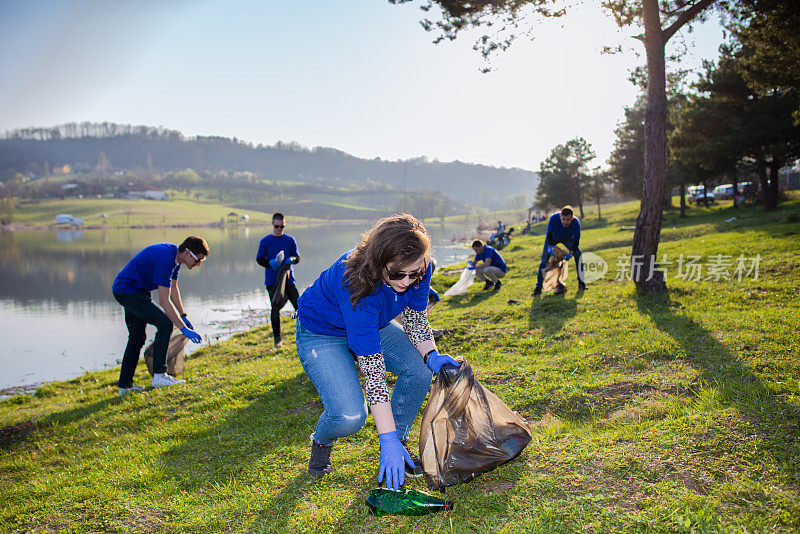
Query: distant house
{"x": 136, "y": 191}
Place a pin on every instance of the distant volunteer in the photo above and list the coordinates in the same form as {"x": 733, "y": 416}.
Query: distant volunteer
{"x": 345, "y": 323}
{"x": 491, "y": 268}
{"x": 564, "y": 228}
{"x": 274, "y": 251}
{"x": 155, "y": 267}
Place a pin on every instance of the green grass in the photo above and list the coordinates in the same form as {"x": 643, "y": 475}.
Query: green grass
{"x": 135, "y": 213}
{"x": 668, "y": 413}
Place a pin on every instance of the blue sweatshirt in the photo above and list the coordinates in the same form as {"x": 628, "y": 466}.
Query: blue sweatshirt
{"x": 324, "y": 308}
{"x": 490, "y": 252}
{"x": 154, "y": 266}
{"x": 556, "y": 233}
{"x": 269, "y": 247}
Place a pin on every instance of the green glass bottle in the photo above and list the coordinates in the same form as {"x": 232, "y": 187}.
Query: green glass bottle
{"x": 382, "y": 501}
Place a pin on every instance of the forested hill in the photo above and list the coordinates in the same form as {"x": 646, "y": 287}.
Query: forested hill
{"x": 128, "y": 148}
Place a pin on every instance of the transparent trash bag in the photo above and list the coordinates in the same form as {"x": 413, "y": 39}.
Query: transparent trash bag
{"x": 174, "y": 354}
{"x": 460, "y": 287}
{"x": 466, "y": 430}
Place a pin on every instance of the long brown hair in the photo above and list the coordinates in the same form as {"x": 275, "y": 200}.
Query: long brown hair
{"x": 400, "y": 238}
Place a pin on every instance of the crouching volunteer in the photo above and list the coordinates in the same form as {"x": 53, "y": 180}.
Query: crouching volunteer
{"x": 345, "y": 320}
{"x": 156, "y": 266}
{"x": 564, "y": 228}
{"x": 493, "y": 267}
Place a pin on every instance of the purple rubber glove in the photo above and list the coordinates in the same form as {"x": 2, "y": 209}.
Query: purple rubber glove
{"x": 191, "y": 334}
{"x": 393, "y": 459}
{"x": 436, "y": 360}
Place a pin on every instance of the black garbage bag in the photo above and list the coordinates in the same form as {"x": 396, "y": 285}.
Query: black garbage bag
{"x": 466, "y": 429}
{"x": 279, "y": 297}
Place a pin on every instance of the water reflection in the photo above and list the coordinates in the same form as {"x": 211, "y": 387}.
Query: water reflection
{"x": 60, "y": 319}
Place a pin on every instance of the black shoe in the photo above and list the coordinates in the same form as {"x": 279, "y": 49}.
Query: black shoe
{"x": 319, "y": 464}
{"x": 537, "y": 291}
{"x": 560, "y": 288}
{"x": 417, "y": 469}
{"x": 278, "y": 343}
{"x": 488, "y": 285}
{"x": 497, "y": 285}
{"x": 581, "y": 286}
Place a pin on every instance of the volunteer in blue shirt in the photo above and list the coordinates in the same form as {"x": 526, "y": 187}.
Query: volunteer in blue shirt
{"x": 345, "y": 323}
{"x": 155, "y": 267}
{"x": 269, "y": 257}
{"x": 564, "y": 228}
{"x": 493, "y": 267}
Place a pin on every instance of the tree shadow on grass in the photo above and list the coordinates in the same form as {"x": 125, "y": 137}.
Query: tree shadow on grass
{"x": 272, "y": 423}
{"x": 13, "y": 435}
{"x": 776, "y": 421}
{"x": 551, "y": 312}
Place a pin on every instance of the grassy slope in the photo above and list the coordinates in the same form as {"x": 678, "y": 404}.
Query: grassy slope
{"x": 129, "y": 212}
{"x": 671, "y": 413}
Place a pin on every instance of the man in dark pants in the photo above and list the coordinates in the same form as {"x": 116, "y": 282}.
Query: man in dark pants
{"x": 562, "y": 228}
{"x": 155, "y": 267}
{"x": 274, "y": 251}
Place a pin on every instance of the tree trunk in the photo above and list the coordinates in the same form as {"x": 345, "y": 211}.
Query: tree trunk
{"x": 774, "y": 178}
{"x": 599, "y": 215}
{"x": 648, "y": 223}
{"x": 683, "y": 200}
{"x": 766, "y": 192}
{"x": 735, "y": 183}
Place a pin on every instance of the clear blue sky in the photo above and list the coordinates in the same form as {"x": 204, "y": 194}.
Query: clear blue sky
{"x": 358, "y": 75}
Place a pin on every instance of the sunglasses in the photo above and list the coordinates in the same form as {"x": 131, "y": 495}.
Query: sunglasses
{"x": 198, "y": 260}
{"x": 279, "y": 226}
{"x": 399, "y": 275}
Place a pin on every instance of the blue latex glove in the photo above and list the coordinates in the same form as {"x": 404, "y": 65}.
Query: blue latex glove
{"x": 393, "y": 459}
{"x": 550, "y": 249}
{"x": 289, "y": 260}
{"x": 191, "y": 334}
{"x": 186, "y": 322}
{"x": 275, "y": 264}
{"x": 436, "y": 360}
{"x": 470, "y": 266}
{"x": 568, "y": 257}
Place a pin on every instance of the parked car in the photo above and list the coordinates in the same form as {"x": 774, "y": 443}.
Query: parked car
{"x": 697, "y": 193}
{"x": 723, "y": 192}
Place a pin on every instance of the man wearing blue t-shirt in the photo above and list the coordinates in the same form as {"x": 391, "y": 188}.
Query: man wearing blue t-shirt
{"x": 564, "y": 228}
{"x": 493, "y": 267}
{"x": 274, "y": 251}
{"x": 155, "y": 267}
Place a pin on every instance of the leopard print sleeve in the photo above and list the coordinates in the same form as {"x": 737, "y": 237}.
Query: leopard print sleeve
{"x": 374, "y": 370}
{"x": 416, "y": 325}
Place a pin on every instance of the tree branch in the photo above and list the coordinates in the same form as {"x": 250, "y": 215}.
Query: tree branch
{"x": 685, "y": 17}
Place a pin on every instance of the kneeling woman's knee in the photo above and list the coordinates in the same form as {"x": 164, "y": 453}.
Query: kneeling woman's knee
{"x": 348, "y": 421}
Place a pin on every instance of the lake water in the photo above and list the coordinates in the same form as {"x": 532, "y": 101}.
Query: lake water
{"x": 58, "y": 318}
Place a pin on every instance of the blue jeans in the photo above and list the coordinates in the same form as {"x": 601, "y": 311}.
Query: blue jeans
{"x": 576, "y": 253}
{"x": 332, "y": 369}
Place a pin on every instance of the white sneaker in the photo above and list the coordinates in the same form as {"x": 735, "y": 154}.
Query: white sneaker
{"x": 133, "y": 388}
{"x": 163, "y": 379}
